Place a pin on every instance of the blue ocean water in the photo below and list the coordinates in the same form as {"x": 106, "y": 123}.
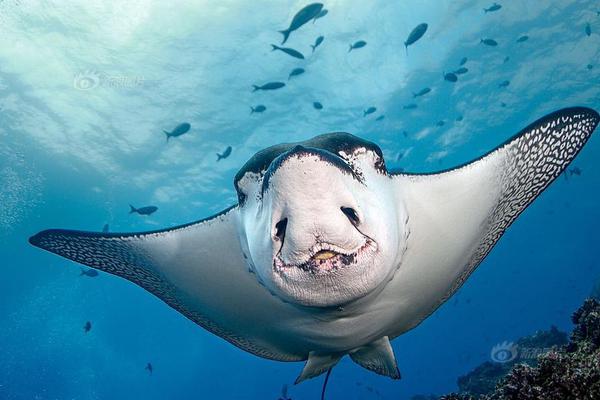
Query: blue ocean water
{"x": 87, "y": 88}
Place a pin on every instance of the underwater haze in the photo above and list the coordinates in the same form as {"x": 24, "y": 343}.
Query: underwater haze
{"x": 94, "y": 98}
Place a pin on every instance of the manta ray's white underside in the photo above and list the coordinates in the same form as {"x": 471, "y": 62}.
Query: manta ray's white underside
{"x": 453, "y": 220}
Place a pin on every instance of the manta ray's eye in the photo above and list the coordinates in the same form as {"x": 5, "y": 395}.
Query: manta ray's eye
{"x": 351, "y": 214}
{"x": 280, "y": 228}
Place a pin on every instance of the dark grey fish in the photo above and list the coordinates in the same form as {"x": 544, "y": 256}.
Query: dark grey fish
{"x": 92, "y": 273}
{"x": 590, "y": 66}
{"x": 317, "y": 105}
{"x": 148, "y": 210}
{"x": 489, "y": 42}
{"x": 178, "y": 131}
{"x": 357, "y": 45}
{"x": 369, "y": 110}
{"x": 506, "y": 59}
{"x": 575, "y": 171}
{"x": 502, "y": 104}
{"x": 268, "y": 86}
{"x": 410, "y": 106}
{"x": 302, "y": 17}
{"x": 588, "y": 29}
{"x": 440, "y": 123}
{"x": 320, "y": 15}
{"x": 504, "y": 84}
{"x": 459, "y": 118}
{"x": 296, "y": 72}
{"x": 522, "y": 39}
{"x": 225, "y": 154}
{"x": 87, "y": 327}
{"x": 461, "y": 70}
{"x": 450, "y": 77}
{"x": 405, "y": 133}
{"x": 492, "y": 8}
{"x": 400, "y": 156}
{"x": 318, "y": 41}
{"x": 149, "y": 368}
{"x": 105, "y": 228}
{"x": 288, "y": 51}
{"x": 422, "y": 92}
{"x": 463, "y": 61}
{"x": 415, "y": 35}
{"x": 258, "y": 109}
{"x": 380, "y": 118}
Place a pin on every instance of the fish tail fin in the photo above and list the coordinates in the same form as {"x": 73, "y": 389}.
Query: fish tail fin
{"x": 255, "y": 88}
{"x": 168, "y": 135}
{"x": 82, "y": 272}
{"x": 406, "y": 48}
{"x": 350, "y": 49}
{"x": 251, "y": 110}
{"x": 286, "y": 34}
{"x": 313, "y": 47}
{"x": 132, "y": 209}
{"x": 414, "y": 95}
{"x": 219, "y": 157}
{"x": 274, "y": 47}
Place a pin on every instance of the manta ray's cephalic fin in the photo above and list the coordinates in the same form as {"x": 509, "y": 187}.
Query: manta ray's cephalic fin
{"x": 377, "y": 356}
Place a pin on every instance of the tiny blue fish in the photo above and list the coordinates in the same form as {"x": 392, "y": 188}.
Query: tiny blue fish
{"x": 357, "y": 45}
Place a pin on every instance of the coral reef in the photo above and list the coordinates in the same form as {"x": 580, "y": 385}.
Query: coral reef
{"x": 570, "y": 372}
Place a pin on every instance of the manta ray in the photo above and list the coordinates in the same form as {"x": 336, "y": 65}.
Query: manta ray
{"x": 327, "y": 253}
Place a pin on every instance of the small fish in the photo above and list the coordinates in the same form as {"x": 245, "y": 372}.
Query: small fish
{"x": 489, "y": 42}
{"x": 410, "y": 106}
{"x": 502, "y": 104}
{"x": 87, "y": 327}
{"x": 296, "y": 72}
{"x": 422, "y": 92}
{"x": 588, "y": 29}
{"x": 320, "y": 15}
{"x": 440, "y": 123}
{"x": 149, "y": 368}
{"x": 459, "y": 118}
{"x": 492, "y": 8}
{"x": 148, "y": 210}
{"x": 178, "y": 131}
{"x": 288, "y": 51}
{"x": 461, "y": 70}
{"x": 318, "y": 41}
{"x": 405, "y": 133}
{"x": 105, "y": 228}
{"x": 92, "y": 273}
{"x": 302, "y": 17}
{"x": 575, "y": 171}
{"x": 504, "y": 84}
{"x": 416, "y": 34}
{"x": 590, "y": 66}
{"x": 284, "y": 393}
{"x": 369, "y": 110}
{"x": 268, "y": 86}
{"x": 450, "y": 77}
{"x": 463, "y": 61}
{"x": 380, "y": 118}
{"x": 506, "y": 59}
{"x": 225, "y": 154}
{"x": 357, "y": 45}
{"x": 258, "y": 109}
{"x": 522, "y": 39}
{"x": 317, "y": 105}
{"x": 399, "y": 156}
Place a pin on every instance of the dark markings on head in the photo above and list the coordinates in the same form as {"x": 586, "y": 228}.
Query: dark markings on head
{"x": 330, "y": 142}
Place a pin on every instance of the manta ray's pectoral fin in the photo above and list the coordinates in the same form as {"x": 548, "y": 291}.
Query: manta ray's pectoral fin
{"x": 199, "y": 269}
{"x": 377, "y": 356}
{"x": 318, "y": 364}
{"x": 457, "y": 216}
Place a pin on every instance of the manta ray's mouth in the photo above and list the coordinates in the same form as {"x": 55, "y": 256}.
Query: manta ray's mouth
{"x": 325, "y": 258}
